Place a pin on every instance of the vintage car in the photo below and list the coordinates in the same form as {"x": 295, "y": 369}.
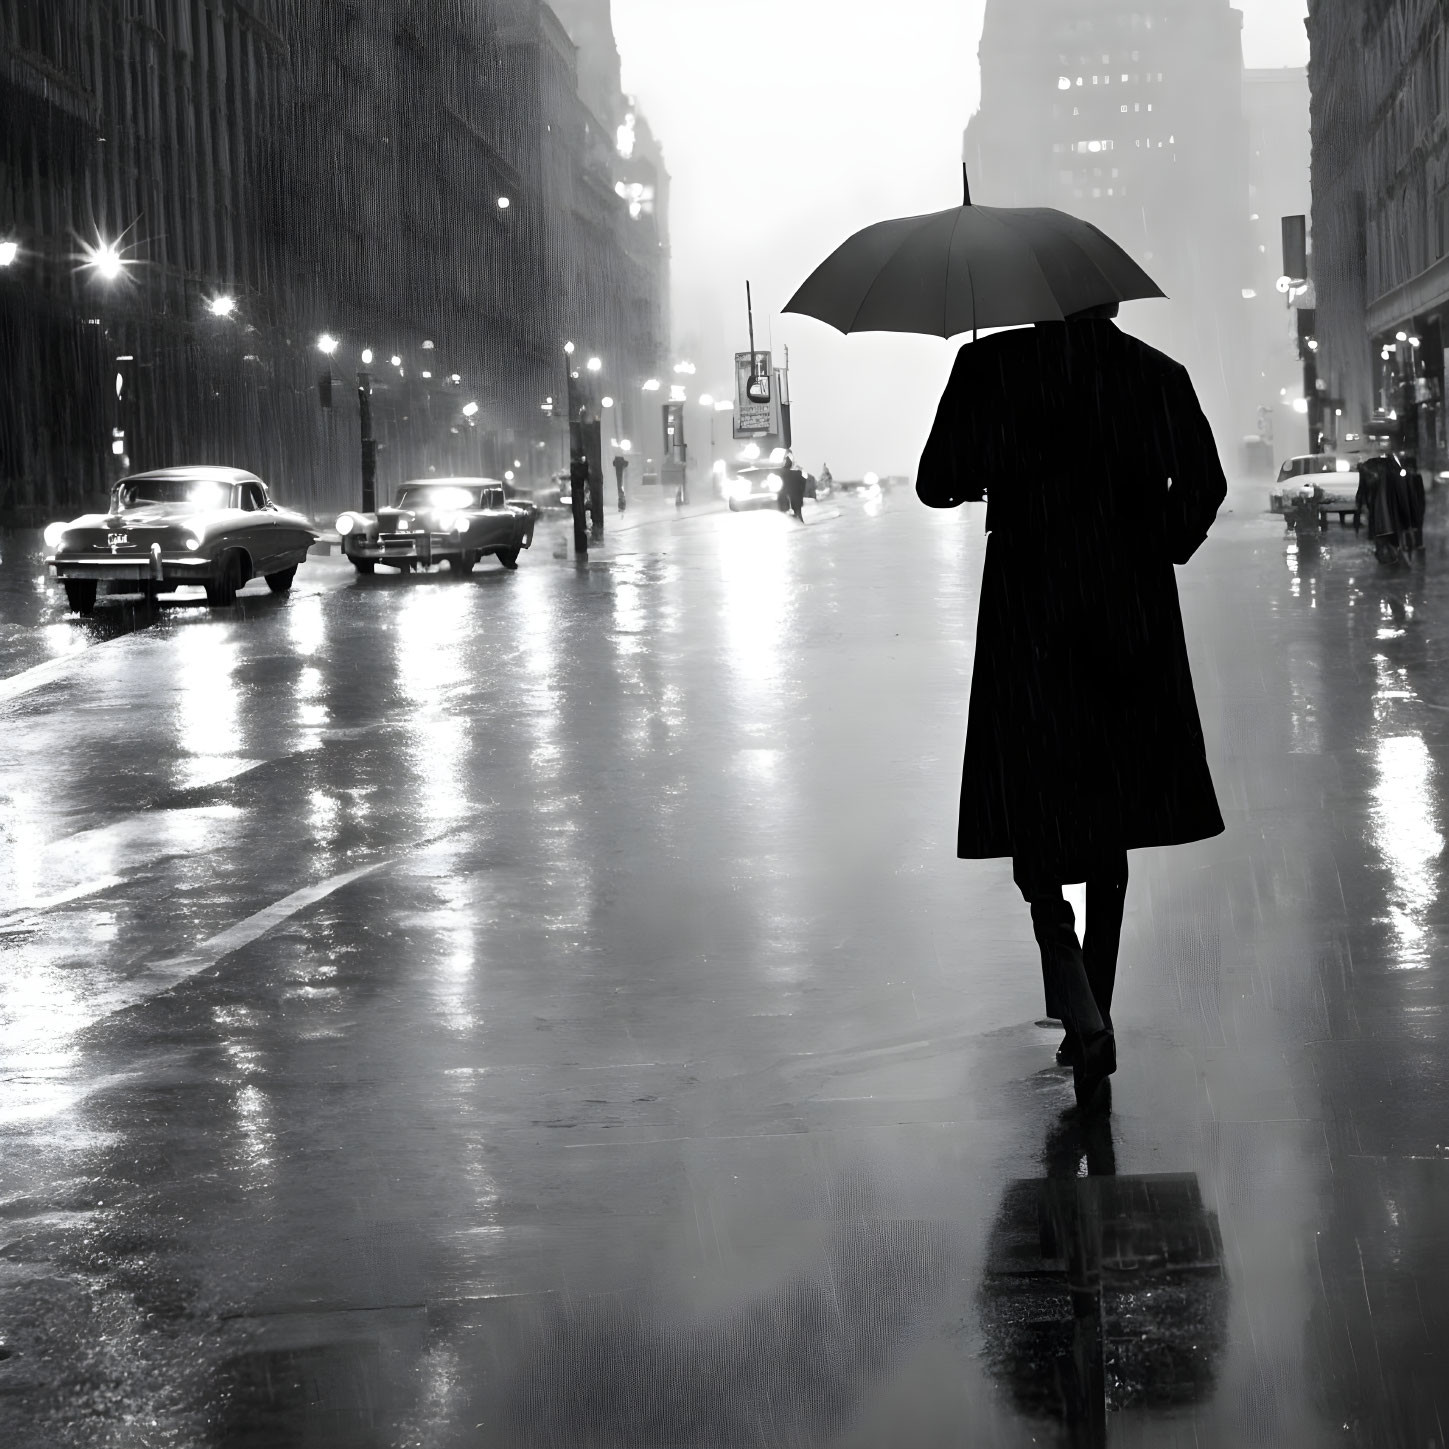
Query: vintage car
{"x": 216, "y": 527}
{"x": 1322, "y": 482}
{"x": 753, "y": 479}
{"x": 432, "y": 520}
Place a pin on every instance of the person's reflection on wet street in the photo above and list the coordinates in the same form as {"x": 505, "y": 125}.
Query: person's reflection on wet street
{"x": 1102, "y": 1294}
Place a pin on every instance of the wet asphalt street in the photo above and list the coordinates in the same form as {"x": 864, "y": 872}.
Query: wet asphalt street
{"x": 543, "y": 1008}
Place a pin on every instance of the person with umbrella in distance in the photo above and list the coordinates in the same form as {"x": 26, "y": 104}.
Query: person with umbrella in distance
{"x": 1099, "y": 473}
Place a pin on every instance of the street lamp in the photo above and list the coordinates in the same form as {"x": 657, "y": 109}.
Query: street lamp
{"x": 395, "y": 360}
{"x": 367, "y": 357}
{"x": 9, "y": 250}
{"x": 504, "y": 203}
{"x": 470, "y": 409}
{"x": 104, "y": 259}
{"x": 652, "y": 385}
{"x": 595, "y": 364}
{"x": 327, "y": 343}
{"x": 221, "y": 306}
{"x": 606, "y": 402}
{"x": 569, "y": 348}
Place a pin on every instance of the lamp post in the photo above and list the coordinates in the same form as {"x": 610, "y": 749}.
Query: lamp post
{"x": 578, "y": 456}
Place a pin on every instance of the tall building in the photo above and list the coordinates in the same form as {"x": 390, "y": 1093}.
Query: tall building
{"x": 1275, "y": 105}
{"x": 1129, "y": 114}
{"x": 419, "y": 182}
{"x": 628, "y": 320}
{"x": 1380, "y": 171}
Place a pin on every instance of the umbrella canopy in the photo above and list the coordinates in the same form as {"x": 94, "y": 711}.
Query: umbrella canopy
{"x": 972, "y": 266}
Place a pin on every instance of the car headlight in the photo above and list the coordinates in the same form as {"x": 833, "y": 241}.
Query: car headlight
{"x": 772, "y": 482}
{"x": 345, "y": 524}
{"x": 461, "y": 524}
{"x": 193, "y": 543}
{"x": 54, "y": 532}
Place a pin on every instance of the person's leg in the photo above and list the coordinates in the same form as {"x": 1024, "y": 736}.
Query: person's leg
{"x": 1106, "y": 898}
{"x": 1064, "y": 973}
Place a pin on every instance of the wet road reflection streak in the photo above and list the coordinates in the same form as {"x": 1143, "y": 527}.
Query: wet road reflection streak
{"x": 1405, "y": 834}
{"x": 432, "y": 675}
{"x": 207, "y": 704}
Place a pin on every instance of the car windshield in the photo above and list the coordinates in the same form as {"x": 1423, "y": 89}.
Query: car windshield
{"x": 199, "y": 492}
{"x": 437, "y": 495}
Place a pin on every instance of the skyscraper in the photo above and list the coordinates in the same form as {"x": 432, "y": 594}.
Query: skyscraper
{"x": 1129, "y": 113}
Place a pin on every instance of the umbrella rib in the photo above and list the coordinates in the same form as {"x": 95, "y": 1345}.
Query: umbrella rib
{"x": 946, "y": 286}
{"x": 881, "y": 270}
{"x": 1081, "y": 252}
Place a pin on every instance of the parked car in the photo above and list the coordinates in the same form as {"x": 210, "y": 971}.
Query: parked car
{"x": 436, "y": 520}
{"x": 1325, "y": 481}
{"x": 216, "y": 527}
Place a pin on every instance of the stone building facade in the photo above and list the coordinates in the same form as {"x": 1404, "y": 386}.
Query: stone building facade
{"x": 1380, "y": 136}
{"x": 419, "y": 178}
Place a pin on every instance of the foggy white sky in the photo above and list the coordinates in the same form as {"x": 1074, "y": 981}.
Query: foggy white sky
{"x": 789, "y": 124}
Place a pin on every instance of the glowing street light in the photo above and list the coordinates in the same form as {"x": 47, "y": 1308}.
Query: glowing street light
{"x": 652, "y": 385}
{"x": 327, "y": 343}
{"x": 221, "y": 306}
{"x": 9, "y": 250}
{"x": 395, "y": 360}
{"x": 705, "y": 400}
{"x": 606, "y": 402}
{"x": 104, "y": 259}
{"x": 595, "y": 364}
{"x": 366, "y": 356}
{"x": 569, "y": 348}
{"x": 625, "y": 445}
{"x": 470, "y": 409}
{"x": 504, "y": 203}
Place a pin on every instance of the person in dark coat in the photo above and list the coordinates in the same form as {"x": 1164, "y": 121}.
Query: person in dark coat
{"x": 792, "y": 489}
{"x": 1083, "y": 740}
{"x": 621, "y": 466}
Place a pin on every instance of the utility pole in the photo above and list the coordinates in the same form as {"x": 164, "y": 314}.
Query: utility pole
{"x": 369, "y": 443}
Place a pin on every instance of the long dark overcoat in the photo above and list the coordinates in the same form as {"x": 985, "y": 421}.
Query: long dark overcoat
{"x": 1099, "y": 473}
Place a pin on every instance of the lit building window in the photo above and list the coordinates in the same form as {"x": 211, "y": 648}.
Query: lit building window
{"x": 1124, "y": 110}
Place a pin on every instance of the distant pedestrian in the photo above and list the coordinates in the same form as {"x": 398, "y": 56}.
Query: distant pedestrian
{"x": 1083, "y": 739}
{"x": 792, "y": 481}
{"x": 621, "y": 466}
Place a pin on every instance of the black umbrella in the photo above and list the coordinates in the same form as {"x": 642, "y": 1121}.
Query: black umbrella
{"x": 972, "y": 266}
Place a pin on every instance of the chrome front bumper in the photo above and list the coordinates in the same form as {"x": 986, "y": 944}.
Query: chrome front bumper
{"x": 419, "y": 547}
{"x": 158, "y": 568}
